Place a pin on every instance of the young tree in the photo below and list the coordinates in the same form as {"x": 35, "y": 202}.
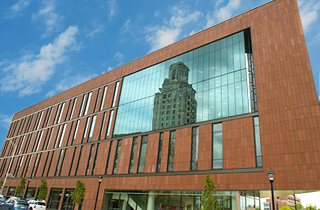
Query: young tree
{"x": 309, "y": 206}
{"x": 207, "y": 199}
{"x": 43, "y": 189}
{"x": 21, "y": 187}
{"x": 78, "y": 195}
{"x": 286, "y": 208}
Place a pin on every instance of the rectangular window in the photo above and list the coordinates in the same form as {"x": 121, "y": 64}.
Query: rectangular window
{"x": 103, "y": 97}
{"x": 85, "y": 130}
{"x": 49, "y": 117}
{"x": 115, "y": 94}
{"x": 35, "y": 123}
{"x": 70, "y": 131}
{"x": 133, "y": 154}
{"x": 24, "y": 165}
{"x": 194, "y": 148}
{"x": 95, "y": 160}
{"x": 21, "y": 161}
{"x": 49, "y": 139}
{"x": 25, "y": 173}
{"x": 217, "y": 146}
{"x": 45, "y": 117}
{"x": 45, "y": 163}
{"x": 257, "y": 141}
{"x": 75, "y": 132}
{"x": 65, "y": 118}
{"x": 64, "y": 155}
{"x": 78, "y": 161}
{"x": 56, "y": 115}
{"x": 35, "y": 141}
{"x": 39, "y": 141}
{"x": 108, "y": 159}
{"x": 109, "y": 124}
{"x": 97, "y": 99}
{"x": 58, "y": 163}
{"x": 37, "y": 165}
{"x": 143, "y": 152}
{"x": 57, "y": 137}
{"x": 50, "y": 163}
{"x": 102, "y": 125}
{"x": 171, "y": 150}
{"x": 73, "y": 106}
{"x": 61, "y": 112}
{"x": 82, "y": 104}
{"x": 93, "y": 123}
{"x": 74, "y": 153}
{"x": 90, "y": 159}
{"x": 62, "y": 135}
{"x": 116, "y": 158}
{"x": 88, "y": 104}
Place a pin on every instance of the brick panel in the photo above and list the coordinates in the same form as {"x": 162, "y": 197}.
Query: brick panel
{"x": 205, "y": 147}
{"x": 182, "y": 153}
{"x": 152, "y": 153}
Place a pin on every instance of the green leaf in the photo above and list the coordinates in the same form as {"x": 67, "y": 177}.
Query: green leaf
{"x": 78, "y": 195}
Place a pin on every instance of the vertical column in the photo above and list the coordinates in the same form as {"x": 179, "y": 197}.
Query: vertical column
{"x": 151, "y": 198}
{"x": 237, "y": 200}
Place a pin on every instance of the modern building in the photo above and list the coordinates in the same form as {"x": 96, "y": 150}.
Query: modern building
{"x": 282, "y": 201}
{"x": 247, "y": 101}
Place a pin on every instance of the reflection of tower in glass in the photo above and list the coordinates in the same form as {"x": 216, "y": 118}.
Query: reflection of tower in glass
{"x": 175, "y": 104}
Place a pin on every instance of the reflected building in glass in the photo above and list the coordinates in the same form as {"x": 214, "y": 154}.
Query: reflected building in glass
{"x": 143, "y": 136}
{"x": 175, "y": 104}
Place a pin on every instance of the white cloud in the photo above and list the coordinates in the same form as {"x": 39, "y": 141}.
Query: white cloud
{"x": 308, "y": 12}
{"x": 126, "y": 26}
{"x": 157, "y": 13}
{"x": 98, "y": 28}
{"x": 109, "y": 68}
{"x": 5, "y": 120}
{"x": 16, "y": 9}
{"x": 30, "y": 72}
{"x": 210, "y": 20}
{"x": 224, "y": 13}
{"x": 161, "y": 36}
{"x": 112, "y": 9}
{"x": 48, "y": 15}
{"x": 69, "y": 82}
{"x": 119, "y": 56}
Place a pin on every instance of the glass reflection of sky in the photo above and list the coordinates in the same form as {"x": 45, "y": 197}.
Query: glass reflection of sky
{"x": 218, "y": 74}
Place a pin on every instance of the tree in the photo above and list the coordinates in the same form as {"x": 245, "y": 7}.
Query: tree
{"x": 207, "y": 199}
{"x": 1, "y": 183}
{"x": 309, "y": 206}
{"x": 21, "y": 187}
{"x": 286, "y": 208}
{"x": 43, "y": 189}
{"x": 299, "y": 206}
{"x": 78, "y": 195}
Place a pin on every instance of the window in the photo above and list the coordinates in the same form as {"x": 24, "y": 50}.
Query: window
{"x": 133, "y": 154}
{"x": 82, "y": 104}
{"x": 45, "y": 163}
{"x": 33, "y": 172}
{"x": 61, "y": 112}
{"x": 49, "y": 117}
{"x": 49, "y": 139}
{"x": 50, "y": 163}
{"x": 56, "y": 115}
{"x": 102, "y": 125}
{"x": 143, "y": 151}
{"x": 194, "y": 148}
{"x": 90, "y": 159}
{"x": 108, "y": 159}
{"x": 69, "y": 104}
{"x": 95, "y": 159}
{"x": 57, "y": 137}
{"x": 64, "y": 155}
{"x": 86, "y": 130}
{"x": 39, "y": 141}
{"x": 73, "y": 106}
{"x": 70, "y": 131}
{"x": 78, "y": 161}
{"x": 103, "y": 97}
{"x": 171, "y": 150}
{"x": 88, "y": 104}
{"x": 97, "y": 99}
{"x": 116, "y": 158}
{"x": 62, "y": 135}
{"x": 109, "y": 124}
{"x": 25, "y": 173}
{"x": 217, "y": 146}
{"x": 71, "y": 164}
{"x": 58, "y": 163}
{"x": 115, "y": 94}
{"x": 92, "y": 128}
{"x": 257, "y": 141}
{"x": 75, "y": 132}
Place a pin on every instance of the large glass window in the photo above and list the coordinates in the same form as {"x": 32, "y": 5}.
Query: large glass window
{"x": 257, "y": 141}
{"x": 116, "y": 158}
{"x": 143, "y": 152}
{"x": 171, "y": 150}
{"x": 54, "y": 199}
{"x": 210, "y": 82}
{"x": 159, "y": 152}
{"x": 217, "y": 146}
{"x": 67, "y": 200}
{"x": 194, "y": 148}
{"x": 133, "y": 154}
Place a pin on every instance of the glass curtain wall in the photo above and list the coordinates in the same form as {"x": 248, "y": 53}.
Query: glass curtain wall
{"x": 210, "y": 82}
{"x": 164, "y": 200}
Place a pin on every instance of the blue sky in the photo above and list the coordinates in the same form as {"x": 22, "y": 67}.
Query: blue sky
{"x": 50, "y": 46}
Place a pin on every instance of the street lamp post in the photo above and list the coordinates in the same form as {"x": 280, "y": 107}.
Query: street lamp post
{"x": 7, "y": 174}
{"x": 271, "y": 179}
{"x": 100, "y": 179}
{"x": 26, "y": 192}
